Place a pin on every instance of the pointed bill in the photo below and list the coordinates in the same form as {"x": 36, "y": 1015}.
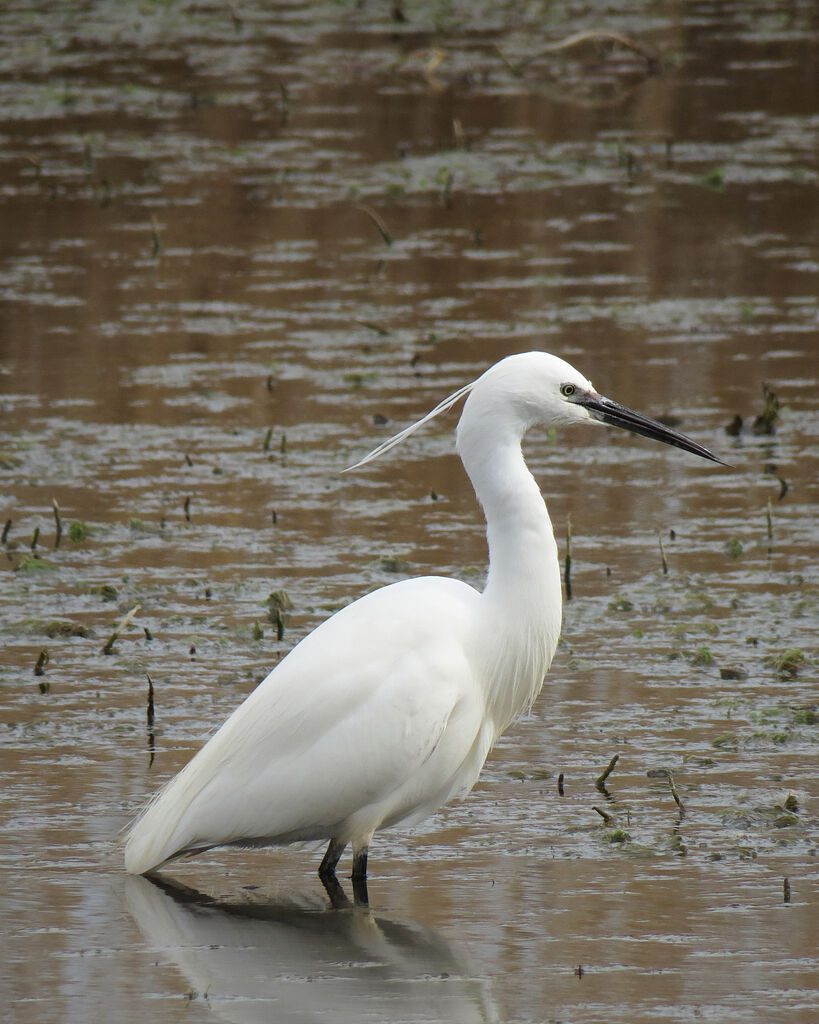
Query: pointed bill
{"x": 615, "y": 415}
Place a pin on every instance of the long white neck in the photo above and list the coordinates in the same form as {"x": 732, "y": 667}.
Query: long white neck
{"x": 522, "y": 601}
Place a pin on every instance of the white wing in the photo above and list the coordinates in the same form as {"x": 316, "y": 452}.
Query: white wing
{"x": 375, "y": 717}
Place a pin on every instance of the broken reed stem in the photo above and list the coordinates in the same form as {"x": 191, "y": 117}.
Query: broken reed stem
{"x": 560, "y": 790}
{"x": 567, "y": 573}
{"x": 188, "y": 509}
{"x": 59, "y": 523}
{"x": 42, "y": 661}
{"x": 672, "y": 786}
{"x": 600, "y": 782}
{"x": 607, "y": 818}
{"x": 769, "y": 520}
{"x": 662, "y": 555}
{"x": 34, "y": 538}
{"x": 150, "y": 710}
{"x": 786, "y": 890}
{"x": 6, "y": 529}
{"x": 109, "y": 647}
{"x": 379, "y": 223}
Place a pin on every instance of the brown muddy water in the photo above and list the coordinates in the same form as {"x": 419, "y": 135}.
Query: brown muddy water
{"x": 243, "y": 243}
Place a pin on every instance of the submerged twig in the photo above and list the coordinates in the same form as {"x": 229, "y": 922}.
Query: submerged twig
{"x": 59, "y": 523}
{"x": 607, "y": 818}
{"x": 600, "y": 782}
{"x": 150, "y": 710}
{"x": 651, "y": 58}
{"x": 379, "y": 223}
{"x": 662, "y": 555}
{"x": 109, "y": 647}
{"x": 672, "y": 786}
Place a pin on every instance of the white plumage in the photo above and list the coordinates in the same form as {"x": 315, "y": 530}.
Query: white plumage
{"x": 389, "y": 708}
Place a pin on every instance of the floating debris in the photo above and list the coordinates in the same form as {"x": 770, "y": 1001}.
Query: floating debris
{"x": 63, "y": 629}
{"x": 393, "y": 563}
{"x": 789, "y": 662}
{"x": 33, "y": 563}
{"x": 734, "y": 549}
{"x": 714, "y": 179}
{"x": 733, "y": 673}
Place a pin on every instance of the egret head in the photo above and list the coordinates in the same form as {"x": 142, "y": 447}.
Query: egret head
{"x": 538, "y": 389}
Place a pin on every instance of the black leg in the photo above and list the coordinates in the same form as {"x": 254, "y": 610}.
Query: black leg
{"x": 359, "y": 877}
{"x": 327, "y": 874}
{"x": 360, "y": 863}
{"x": 327, "y": 868}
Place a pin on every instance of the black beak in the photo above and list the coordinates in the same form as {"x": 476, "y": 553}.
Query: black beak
{"x": 616, "y": 415}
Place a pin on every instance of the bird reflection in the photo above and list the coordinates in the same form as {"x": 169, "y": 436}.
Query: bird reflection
{"x": 258, "y": 962}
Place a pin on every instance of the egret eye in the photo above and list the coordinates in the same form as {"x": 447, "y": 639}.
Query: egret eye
{"x": 567, "y": 390}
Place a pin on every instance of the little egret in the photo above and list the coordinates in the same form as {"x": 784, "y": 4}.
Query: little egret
{"x": 389, "y": 708}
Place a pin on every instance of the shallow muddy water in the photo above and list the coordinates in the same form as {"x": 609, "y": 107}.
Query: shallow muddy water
{"x": 243, "y": 244}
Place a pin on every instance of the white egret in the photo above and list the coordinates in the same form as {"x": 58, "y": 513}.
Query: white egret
{"x": 388, "y": 709}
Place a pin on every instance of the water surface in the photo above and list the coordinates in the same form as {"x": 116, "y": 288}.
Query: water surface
{"x": 244, "y": 244}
